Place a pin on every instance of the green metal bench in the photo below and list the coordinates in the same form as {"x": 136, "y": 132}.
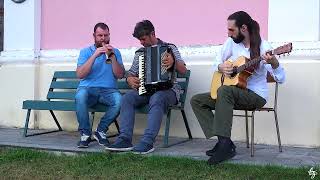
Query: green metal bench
{"x": 61, "y": 97}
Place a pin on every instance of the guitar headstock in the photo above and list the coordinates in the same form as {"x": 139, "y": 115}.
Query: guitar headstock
{"x": 287, "y": 48}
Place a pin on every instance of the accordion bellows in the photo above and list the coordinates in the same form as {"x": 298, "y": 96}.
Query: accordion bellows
{"x": 152, "y": 74}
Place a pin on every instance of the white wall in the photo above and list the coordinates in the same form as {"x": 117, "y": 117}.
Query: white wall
{"x": 21, "y": 30}
{"x": 293, "y": 20}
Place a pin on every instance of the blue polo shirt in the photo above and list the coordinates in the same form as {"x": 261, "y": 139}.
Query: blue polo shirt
{"x": 101, "y": 74}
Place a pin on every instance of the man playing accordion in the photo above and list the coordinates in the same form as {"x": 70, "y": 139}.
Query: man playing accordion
{"x": 158, "y": 101}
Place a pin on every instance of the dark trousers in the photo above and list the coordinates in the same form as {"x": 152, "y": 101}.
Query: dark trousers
{"x": 229, "y": 98}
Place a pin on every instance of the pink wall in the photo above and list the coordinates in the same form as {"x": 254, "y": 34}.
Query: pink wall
{"x": 69, "y": 23}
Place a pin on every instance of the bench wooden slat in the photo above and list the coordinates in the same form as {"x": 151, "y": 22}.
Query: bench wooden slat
{"x": 49, "y": 105}
{"x": 74, "y": 85}
{"x": 73, "y": 75}
{"x": 64, "y": 84}
{"x": 183, "y": 85}
{"x": 58, "y": 106}
{"x": 123, "y": 85}
{"x": 65, "y": 75}
{"x": 61, "y": 95}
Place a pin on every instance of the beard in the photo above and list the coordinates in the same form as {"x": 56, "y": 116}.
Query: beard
{"x": 238, "y": 39}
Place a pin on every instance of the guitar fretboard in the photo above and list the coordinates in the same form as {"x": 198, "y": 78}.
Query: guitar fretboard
{"x": 248, "y": 64}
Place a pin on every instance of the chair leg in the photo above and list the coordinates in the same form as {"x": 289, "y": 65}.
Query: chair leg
{"x": 55, "y": 120}
{"x": 278, "y": 131}
{"x": 27, "y": 123}
{"x": 167, "y": 128}
{"x": 252, "y": 134}
{"x": 247, "y": 131}
{"x": 186, "y": 123}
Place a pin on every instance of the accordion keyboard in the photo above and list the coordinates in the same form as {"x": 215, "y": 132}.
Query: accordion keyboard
{"x": 142, "y": 88}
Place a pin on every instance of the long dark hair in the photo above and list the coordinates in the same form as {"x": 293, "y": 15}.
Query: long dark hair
{"x": 242, "y": 18}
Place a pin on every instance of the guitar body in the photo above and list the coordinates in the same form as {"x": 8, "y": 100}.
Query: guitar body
{"x": 239, "y": 79}
{"x": 240, "y": 71}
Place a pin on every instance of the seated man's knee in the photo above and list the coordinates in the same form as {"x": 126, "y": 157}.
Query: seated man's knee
{"x": 222, "y": 90}
{"x": 117, "y": 100}
{"x": 157, "y": 99}
{"x": 81, "y": 95}
{"x": 195, "y": 100}
{"x": 129, "y": 97}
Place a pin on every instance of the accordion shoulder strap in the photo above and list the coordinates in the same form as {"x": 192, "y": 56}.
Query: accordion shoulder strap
{"x": 140, "y": 50}
{"x": 170, "y": 44}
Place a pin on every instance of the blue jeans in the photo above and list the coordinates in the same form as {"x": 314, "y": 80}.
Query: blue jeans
{"x": 89, "y": 96}
{"x": 158, "y": 106}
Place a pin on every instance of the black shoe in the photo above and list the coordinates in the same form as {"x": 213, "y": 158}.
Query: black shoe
{"x": 223, "y": 152}
{"x": 143, "y": 148}
{"x": 214, "y": 149}
{"x": 121, "y": 144}
{"x": 84, "y": 141}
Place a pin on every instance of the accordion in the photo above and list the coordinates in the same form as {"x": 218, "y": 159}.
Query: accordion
{"x": 153, "y": 75}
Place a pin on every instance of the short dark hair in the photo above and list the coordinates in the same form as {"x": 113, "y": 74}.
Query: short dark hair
{"x": 100, "y": 25}
{"x": 143, "y": 28}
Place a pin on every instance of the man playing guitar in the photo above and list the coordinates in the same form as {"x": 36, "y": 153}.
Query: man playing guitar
{"x": 244, "y": 40}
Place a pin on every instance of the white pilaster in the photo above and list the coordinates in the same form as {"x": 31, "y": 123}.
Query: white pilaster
{"x": 22, "y": 30}
{"x": 293, "y": 20}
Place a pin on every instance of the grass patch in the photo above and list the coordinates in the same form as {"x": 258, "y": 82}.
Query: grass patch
{"x": 19, "y": 163}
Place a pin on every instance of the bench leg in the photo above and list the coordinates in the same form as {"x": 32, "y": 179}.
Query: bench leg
{"x": 92, "y": 119}
{"x": 25, "y": 134}
{"x": 166, "y": 135}
{"x": 27, "y": 123}
{"x": 186, "y": 123}
{"x": 117, "y": 125}
{"x": 166, "y": 132}
{"x": 115, "y": 122}
{"x": 55, "y": 120}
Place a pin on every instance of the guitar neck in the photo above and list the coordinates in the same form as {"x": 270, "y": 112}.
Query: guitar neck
{"x": 248, "y": 64}
{"x": 278, "y": 51}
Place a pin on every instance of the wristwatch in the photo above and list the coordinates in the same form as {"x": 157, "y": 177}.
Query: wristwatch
{"x": 109, "y": 61}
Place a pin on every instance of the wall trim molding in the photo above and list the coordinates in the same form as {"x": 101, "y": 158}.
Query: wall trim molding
{"x": 191, "y": 54}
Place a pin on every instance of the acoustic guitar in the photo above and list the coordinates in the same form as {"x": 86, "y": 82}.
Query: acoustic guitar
{"x": 241, "y": 71}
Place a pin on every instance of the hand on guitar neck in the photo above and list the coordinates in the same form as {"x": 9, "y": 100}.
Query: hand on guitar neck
{"x": 270, "y": 59}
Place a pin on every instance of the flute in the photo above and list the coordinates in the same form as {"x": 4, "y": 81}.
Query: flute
{"x": 108, "y": 60}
